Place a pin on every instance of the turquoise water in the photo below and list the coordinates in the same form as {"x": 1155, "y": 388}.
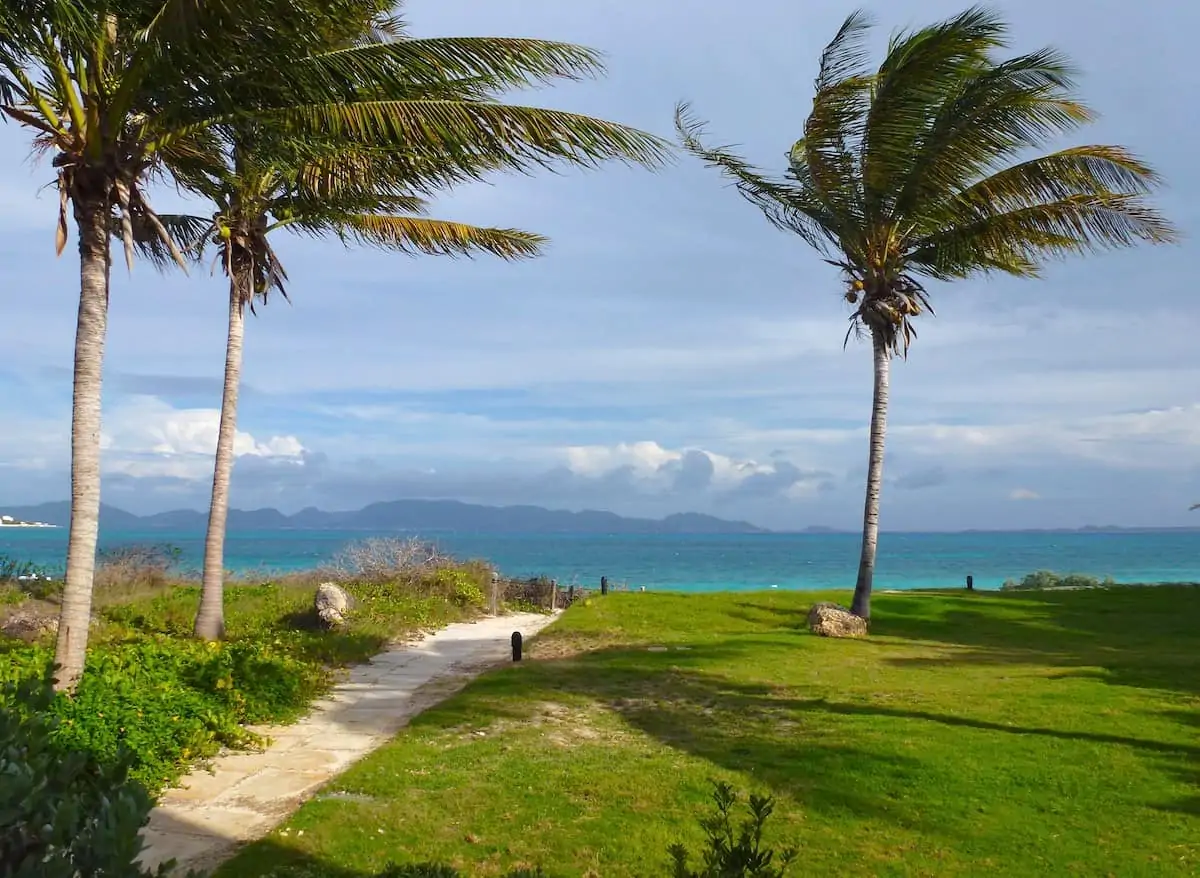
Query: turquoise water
{"x": 708, "y": 563}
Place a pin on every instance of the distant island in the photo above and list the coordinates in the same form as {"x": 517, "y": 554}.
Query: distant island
{"x": 13, "y": 521}
{"x": 407, "y": 515}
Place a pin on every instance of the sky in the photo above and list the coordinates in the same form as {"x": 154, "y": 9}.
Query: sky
{"x": 671, "y": 351}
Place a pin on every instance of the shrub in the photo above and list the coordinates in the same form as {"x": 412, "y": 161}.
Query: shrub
{"x": 1043, "y": 579}
{"x": 169, "y": 702}
{"x": 381, "y": 559}
{"x": 25, "y": 578}
{"x": 126, "y": 571}
{"x": 734, "y": 854}
{"x": 63, "y": 812}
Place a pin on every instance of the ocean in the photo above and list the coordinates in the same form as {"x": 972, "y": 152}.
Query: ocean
{"x": 703, "y": 563}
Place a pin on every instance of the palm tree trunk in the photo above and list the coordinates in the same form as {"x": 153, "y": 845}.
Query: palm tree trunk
{"x": 870, "y": 538}
{"x": 210, "y": 620}
{"x": 92, "y": 218}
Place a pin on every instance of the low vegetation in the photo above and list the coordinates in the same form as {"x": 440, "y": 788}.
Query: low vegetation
{"x": 171, "y": 701}
{"x": 1043, "y": 579}
{"x": 1009, "y": 734}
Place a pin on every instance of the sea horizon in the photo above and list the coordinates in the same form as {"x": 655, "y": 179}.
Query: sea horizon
{"x": 698, "y": 562}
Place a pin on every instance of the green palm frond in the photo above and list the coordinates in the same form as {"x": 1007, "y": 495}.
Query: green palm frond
{"x": 190, "y": 233}
{"x": 485, "y": 64}
{"x": 1017, "y": 241}
{"x": 921, "y": 70}
{"x": 513, "y": 137}
{"x": 834, "y": 130}
{"x": 787, "y": 207}
{"x": 995, "y": 116}
{"x": 417, "y": 235}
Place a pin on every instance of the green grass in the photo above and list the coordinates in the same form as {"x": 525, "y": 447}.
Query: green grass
{"x": 1025, "y": 734}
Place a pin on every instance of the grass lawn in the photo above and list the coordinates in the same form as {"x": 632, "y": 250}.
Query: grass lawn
{"x": 1025, "y": 734}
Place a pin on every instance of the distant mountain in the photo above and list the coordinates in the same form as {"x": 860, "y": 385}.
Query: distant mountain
{"x": 404, "y": 515}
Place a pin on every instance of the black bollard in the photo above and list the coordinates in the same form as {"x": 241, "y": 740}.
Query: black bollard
{"x": 603, "y": 585}
{"x": 570, "y": 595}
{"x": 970, "y": 582}
{"x": 516, "y": 643}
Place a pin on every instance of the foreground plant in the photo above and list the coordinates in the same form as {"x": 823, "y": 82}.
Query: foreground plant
{"x": 731, "y": 853}
{"x": 919, "y": 169}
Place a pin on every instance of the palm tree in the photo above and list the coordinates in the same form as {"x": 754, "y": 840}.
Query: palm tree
{"x": 347, "y": 147}
{"x": 352, "y": 194}
{"x": 923, "y": 168}
{"x": 105, "y": 87}
{"x": 121, "y": 89}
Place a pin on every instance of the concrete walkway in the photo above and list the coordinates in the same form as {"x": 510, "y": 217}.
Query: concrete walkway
{"x": 249, "y": 793}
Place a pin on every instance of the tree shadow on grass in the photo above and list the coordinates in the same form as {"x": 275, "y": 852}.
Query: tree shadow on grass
{"x": 285, "y": 861}
{"x": 796, "y": 745}
{"x": 1139, "y": 637}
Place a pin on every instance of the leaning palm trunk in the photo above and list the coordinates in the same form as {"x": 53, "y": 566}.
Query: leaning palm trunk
{"x": 870, "y": 538}
{"x": 92, "y": 217}
{"x": 210, "y": 620}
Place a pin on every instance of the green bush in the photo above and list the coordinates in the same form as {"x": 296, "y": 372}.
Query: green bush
{"x": 734, "y": 854}
{"x": 63, "y": 812}
{"x": 1043, "y": 579}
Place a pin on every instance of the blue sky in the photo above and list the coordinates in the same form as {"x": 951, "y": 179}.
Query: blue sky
{"x": 671, "y": 351}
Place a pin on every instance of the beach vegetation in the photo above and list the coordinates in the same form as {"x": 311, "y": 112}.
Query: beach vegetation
{"x": 975, "y": 733}
{"x": 65, "y": 812}
{"x": 931, "y": 167}
{"x": 1049, "y": 579}
{"x": 169, "y": 702}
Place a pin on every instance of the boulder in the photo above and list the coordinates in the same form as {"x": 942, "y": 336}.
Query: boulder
{"x": 30, "y": 622}
{"x": 833, "y": 620}
{"x": 331, "y": 603}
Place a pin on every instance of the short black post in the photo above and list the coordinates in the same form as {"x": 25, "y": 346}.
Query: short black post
{"x": 970, "y": 582}
{"x": 603, "y": 585}
{"x": 570, "y": 595}
{"x": 516, "y": 643}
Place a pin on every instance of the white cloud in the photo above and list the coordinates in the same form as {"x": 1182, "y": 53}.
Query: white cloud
{"x": 652, "y": 463}
{"x": 146, "y": 436}
{"x": 1024, "y": 494}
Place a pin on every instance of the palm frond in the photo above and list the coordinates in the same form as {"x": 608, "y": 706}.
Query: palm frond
{"x": 513, "y": 137}
{"x": 190, "y": 234}
{"x": 787, "y": 207}
{"x": 413, "y": 67}
{"x": 994, "y": 117}
{"x": 417, "y": 235}
{"x": 1019, "y": 241}
{"x": 922, "y": 70}
{"x": 834, "y": 129}
{"x": 846, "y": 54}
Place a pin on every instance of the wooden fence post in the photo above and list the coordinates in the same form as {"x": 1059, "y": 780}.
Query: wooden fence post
{"x": 603, "y": 585}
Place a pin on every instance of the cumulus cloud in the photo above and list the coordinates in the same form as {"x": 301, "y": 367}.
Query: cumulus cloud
{"x": 147, "y": 437}
{"x": 651, "y": 467}
{"x": 1024, "y": 494}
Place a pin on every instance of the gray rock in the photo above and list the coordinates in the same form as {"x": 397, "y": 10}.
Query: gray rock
{"x": 331, "y": 603}
{"x": 833, "y": 620}
{"x": 30, "y": 623}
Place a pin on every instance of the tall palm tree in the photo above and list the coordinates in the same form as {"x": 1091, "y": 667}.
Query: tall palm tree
{"x": 354, "y": 194}
{"x": 924, "y": 168}
{"x": 348, "y": 147}
{"x": 121, "y": 89}
{"x": 107, "y": 87}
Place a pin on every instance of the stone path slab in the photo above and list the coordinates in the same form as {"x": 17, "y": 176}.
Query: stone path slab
{"x": 247, "y": 794}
